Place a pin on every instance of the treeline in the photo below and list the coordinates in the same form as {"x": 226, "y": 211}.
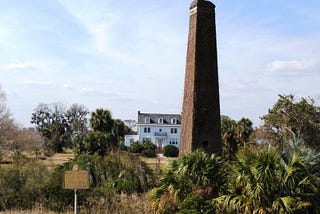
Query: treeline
{"x": 269, "y": 169}
{"x": 70, "y": 128}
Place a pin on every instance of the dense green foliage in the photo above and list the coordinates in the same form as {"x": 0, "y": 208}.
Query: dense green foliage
{"x": 68, "y": 128}
{"x": 101, "y": 120}
{"x": 135, "y": 147}
{"x": 265, "y": 180}
{"x": 272, "y": 181}
{"x": 145, "y": 148}
{"x": 119, "y": 174}
{"x": 170, "y": 151}
{"x": 21, "y": 187}
{"x": 290, "y": 117}
{"x": 234, "y": 134}
{"x": 54, "y": 196}
{"x": 57, "y": 125}
{"x": 94, "y": 142}
{"x": 195, "y": 176}
{"x": 107, "y": 134}
{"x": 110, "y": 176}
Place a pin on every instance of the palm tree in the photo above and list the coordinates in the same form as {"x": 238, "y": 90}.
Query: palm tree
{"x": 229, "y": 136}
{"x": 118, "y": 131}
{"x": 234, "y": 134}
{"x": 271, "y": 181}
{"x": 101, "y": 120}
{"x": 244, "y": 130}
{"x": 197, "y": 173}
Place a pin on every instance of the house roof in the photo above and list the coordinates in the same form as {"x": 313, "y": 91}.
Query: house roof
{"x": 154, "y": 118}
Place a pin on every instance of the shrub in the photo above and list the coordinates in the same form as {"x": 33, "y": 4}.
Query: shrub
{"x": 56, "y": 198}
{"x": 191, "y": 179}
{"x": 21, "y": 188}
{"x": 193, "y": 203}
{"x": 127, "y": 182}
{"x": 170, "y": 151}
{"x": 34, "y": 175}
{"x": 135, "y": 147}
{"x": 10, "y": 186}
{"x": 149, "y": 149}
{"x": 167, "y": 204}
{"x": 145, "y": 148}
{"x": 149, "y": 153}
{"x": 95, "y": 142}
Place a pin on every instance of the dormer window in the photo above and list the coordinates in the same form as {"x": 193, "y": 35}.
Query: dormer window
{"x": 147, "y": 120}
{"x": 174, "y": 121}
{"x": 160, "y": 120}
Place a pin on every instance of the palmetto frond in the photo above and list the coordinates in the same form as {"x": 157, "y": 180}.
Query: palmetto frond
{"x": 271, "y": 181}
{"x": 197, "y": 171}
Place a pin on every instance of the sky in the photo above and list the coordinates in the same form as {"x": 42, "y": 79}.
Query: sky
{"x": 129, "y": 56}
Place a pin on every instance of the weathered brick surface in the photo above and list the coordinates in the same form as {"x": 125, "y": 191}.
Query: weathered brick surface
{"x": 201, "y": 106}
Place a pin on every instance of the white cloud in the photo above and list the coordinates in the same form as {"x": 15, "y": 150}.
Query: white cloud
{"x": 96, "y": 19}
{"x": 291, "y": 66}
{"x": 86, "y": 90}
{"x": 67, "y": 86}
{"x": 94, "y": 92}
{"x": 20, "y": 66}
{"x": 137, "y": 38}
{"x": 36, "y": 83}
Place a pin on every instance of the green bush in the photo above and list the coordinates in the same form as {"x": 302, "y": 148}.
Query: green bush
{"x": 34, "y": 174}
{"x": 26, "y": 185}
{"x": 193, "y": 203}
{"x": 149, "y": 149}
{"x": 127, "y": 182}
{"x": 191, "y": 179}
{"x": 96, "y": 142}
{"x": 20, "y": 188}
{"x": 170, "y": 151}
{"x": 145, "y": 148}
{"x": 55, "y": 197}
{"x": 149, "y": 153}
{"x": 10, "y": 188}
{"x": 136, "y": 147}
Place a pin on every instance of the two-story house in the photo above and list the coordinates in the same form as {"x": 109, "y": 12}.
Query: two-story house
{"x": 160, "y": 129}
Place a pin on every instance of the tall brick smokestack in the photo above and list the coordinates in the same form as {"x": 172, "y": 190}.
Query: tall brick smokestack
{"x": 201, "y": 106}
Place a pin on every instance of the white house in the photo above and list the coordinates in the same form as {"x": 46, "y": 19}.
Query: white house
{"x": 160, "y": 129}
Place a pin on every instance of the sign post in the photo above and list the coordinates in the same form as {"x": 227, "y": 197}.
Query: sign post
{"x": 75, "y": 202}
{"x": 76, "y": 179}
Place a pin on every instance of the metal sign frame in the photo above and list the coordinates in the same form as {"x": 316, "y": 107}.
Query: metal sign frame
{"x": 76, "y": 179}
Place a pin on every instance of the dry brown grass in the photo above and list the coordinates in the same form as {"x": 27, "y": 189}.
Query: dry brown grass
{"x": 57, "y": 159}
{"x": 162, "y": 162}
{"x": 156, "y": 160}
{"x": 33, "y": 211}
{"x": 30, "y": 212}
{"x": 50, "y": 162}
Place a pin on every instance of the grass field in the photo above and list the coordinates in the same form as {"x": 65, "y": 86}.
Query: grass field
{"x": 57, "y": 159}
{"x": 60, "y": 158}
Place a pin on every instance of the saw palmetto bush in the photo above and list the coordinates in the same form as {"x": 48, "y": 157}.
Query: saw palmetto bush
{"x": 271, "y": 180}
{"x": 192, "y": 178}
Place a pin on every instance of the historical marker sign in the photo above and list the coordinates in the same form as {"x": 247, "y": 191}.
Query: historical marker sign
{"x": 76, "y": 179}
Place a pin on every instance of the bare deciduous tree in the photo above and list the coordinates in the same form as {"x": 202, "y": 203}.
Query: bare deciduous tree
{"x": 6, "y": 122}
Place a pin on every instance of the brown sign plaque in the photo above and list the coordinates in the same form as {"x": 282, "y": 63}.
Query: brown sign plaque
{"x": 76, "y": 179}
